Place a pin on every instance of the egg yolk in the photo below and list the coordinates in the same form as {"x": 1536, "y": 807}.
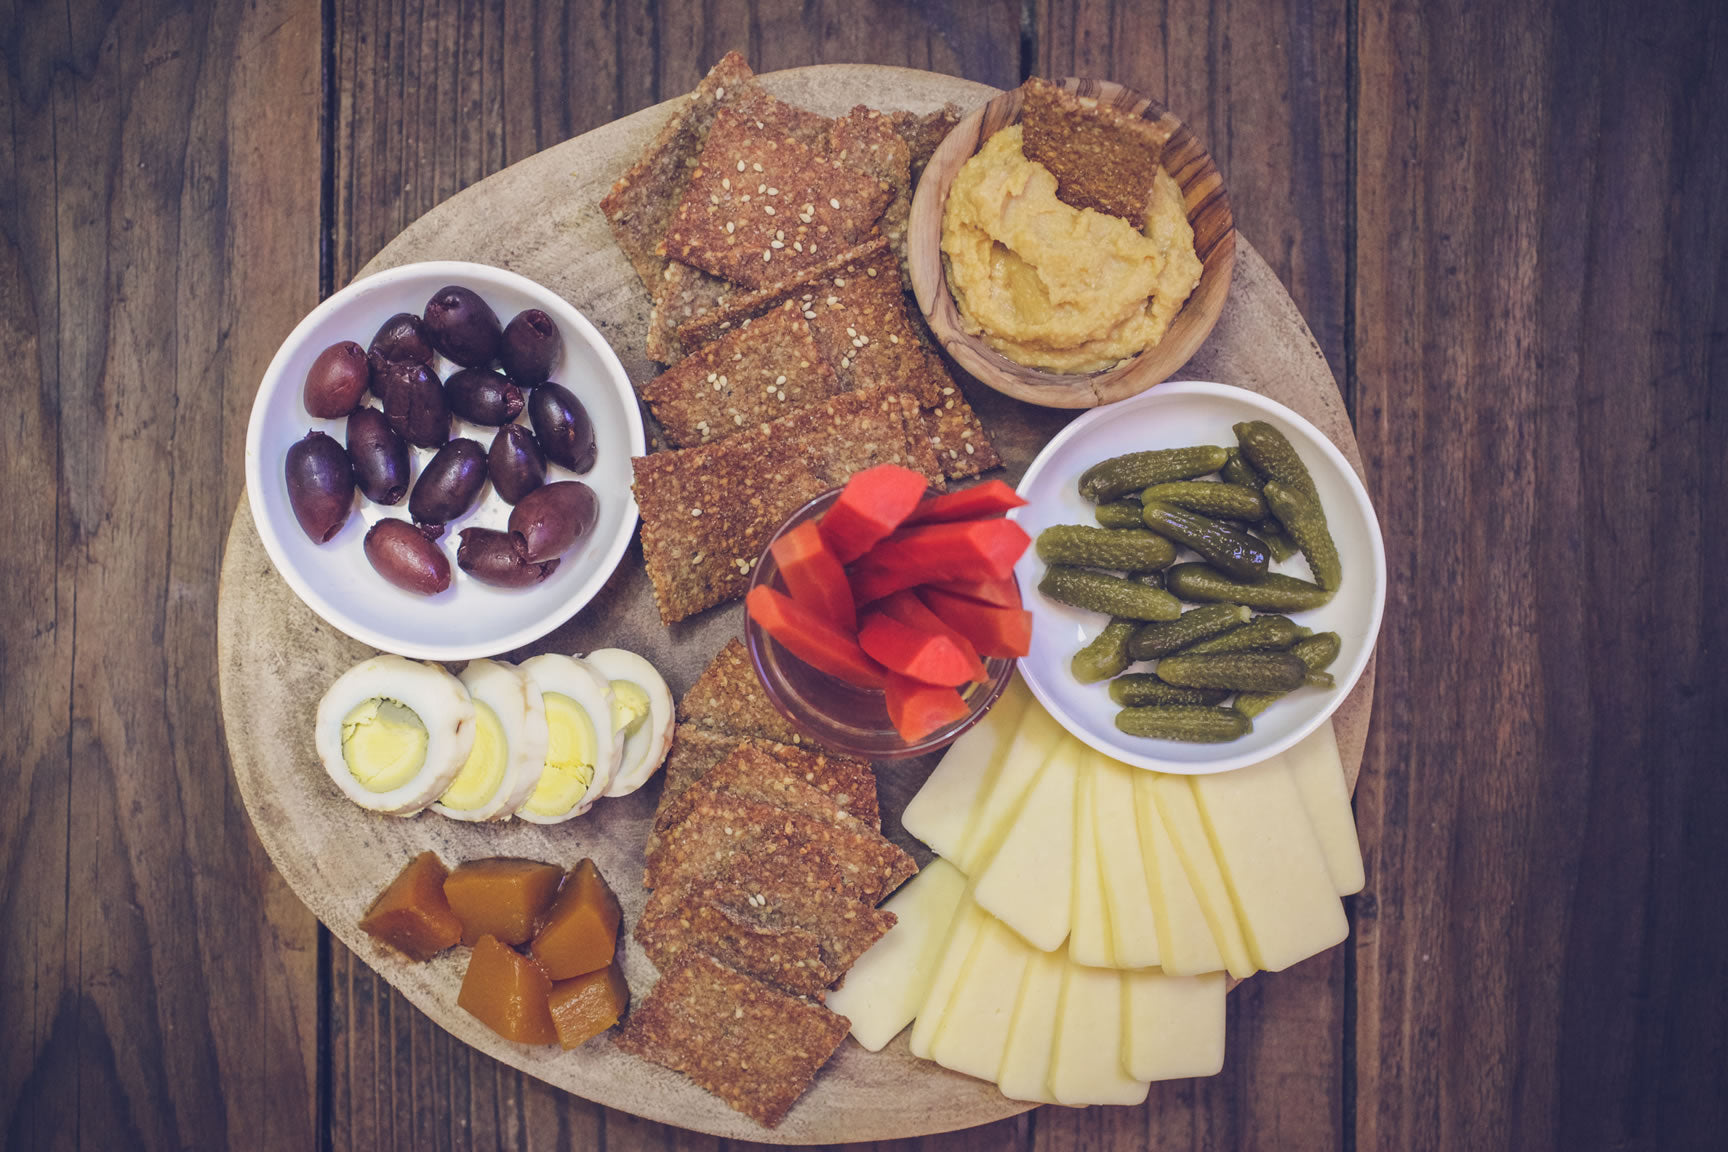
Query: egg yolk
{"x": 630, "y": 707}
{"x": 383, "y": 744}
{"x": 570, "y": 754}
{"x": 482, "y": 775}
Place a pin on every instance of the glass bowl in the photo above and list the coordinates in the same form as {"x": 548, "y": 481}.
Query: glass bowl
{"x": 839, "y": 716}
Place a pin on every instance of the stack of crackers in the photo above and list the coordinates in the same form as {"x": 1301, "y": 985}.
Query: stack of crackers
{"x": 766, "y": 864}
{"x": 772, "y": 241}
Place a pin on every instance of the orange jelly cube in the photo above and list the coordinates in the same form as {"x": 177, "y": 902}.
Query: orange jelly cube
{"x": 411, "y": 914}
{"x": 580, "y": 933}
{"x": 506, "y": 991}
{"x": 501, "y": 896}
{"x": 585, "y": 1006}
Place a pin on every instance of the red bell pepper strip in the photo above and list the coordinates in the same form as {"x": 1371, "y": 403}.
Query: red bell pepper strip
{"x": 920, "y": 709}
{"x": 811, "y": 638}
{"x": 814, "y": 576}
{"x": 991, "y": 498}
{"x": 873, "y": 504}
{"x": 997, "y": 632}
{"x": 930, "y": 657}
{"x": 912, "y": 612}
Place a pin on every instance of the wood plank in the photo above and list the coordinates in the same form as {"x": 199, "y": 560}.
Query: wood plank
{"x": 154, "y": 254}
{"x": 1539, "y": 322}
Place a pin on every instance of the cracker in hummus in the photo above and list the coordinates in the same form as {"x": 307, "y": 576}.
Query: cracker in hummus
{"x": 1102, "y": 157}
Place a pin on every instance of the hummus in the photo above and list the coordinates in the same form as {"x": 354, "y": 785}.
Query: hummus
{"x": 1055, "y": 287}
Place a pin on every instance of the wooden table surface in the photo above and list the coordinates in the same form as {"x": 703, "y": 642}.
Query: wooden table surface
{"x": 1506, "y": 225}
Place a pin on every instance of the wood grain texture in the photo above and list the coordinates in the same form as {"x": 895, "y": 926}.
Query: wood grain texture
{"x": 158, "y": 237}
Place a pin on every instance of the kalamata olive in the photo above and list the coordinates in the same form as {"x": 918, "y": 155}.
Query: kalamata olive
{"x": 402, "y": 554}
{"x": 483, "y": 396}
{"x": 336, "y": 381}
{"x": 529, "y": 348}
{"x": 463, "y": 326}
{"x": 561, "y": 423}
{"x": 450, "y": 482}
{"x": 515, "y": 463}
{"x": 379, "y": 456}
{"x": 402, "y": 339}
{"x": 414, "y": 403}
{"x": 554, "y": 517}
{"x": 494, "y": 557}
{"x": 320, "y": 485}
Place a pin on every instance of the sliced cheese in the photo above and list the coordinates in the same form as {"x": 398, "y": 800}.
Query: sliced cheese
{"x": 1172, "y": 1026}
{"x": 1319, "y": 773}
{"x": 1027, "y": 881}
{"x": 1271, "y": 863}
{"x": 1025, "y": 1070}
{"x": 1089, "y": 920}
{"x": 974, "y": 1028}
{"x": 1182, "y": 820}
{"x": 1184, "y": 939}
{"x": 944, "y": 807}
{"x": 1127, "y": 899}
{"x": 1034, "y": 740}
{"x": 886, "y": 986}
{"x": 956, "y": 949}
{"x": 1086, "y": 1065}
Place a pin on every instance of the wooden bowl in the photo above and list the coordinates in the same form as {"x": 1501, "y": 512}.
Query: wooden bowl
{"x": 1208, "y": 206}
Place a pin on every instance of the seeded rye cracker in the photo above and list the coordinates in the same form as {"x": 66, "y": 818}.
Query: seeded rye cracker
{"x": 728, "y": 698}
{"x": 865, "y": 139}
{"x": 752, "y": 1045}
{"x": 708, "y": 511}
{"x": 755, "y": 773}
{"x": 1102, "y": 157}
{"x": 761, "y": 204}
{"x": 924, "y": 133}
{"x": 754, "y": 373}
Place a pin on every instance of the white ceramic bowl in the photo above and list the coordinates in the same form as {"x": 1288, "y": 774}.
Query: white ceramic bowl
{"x": 469, "y": 619}
{"x": 1176, "y": 415}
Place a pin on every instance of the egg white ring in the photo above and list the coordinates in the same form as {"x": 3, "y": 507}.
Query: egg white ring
{"x": 611, "y": 745}
{"x": 437, "y": 698}
{"x": 645, "y": 751}
{"x": 521, "y": 712}
{"x": 593, "y": 694}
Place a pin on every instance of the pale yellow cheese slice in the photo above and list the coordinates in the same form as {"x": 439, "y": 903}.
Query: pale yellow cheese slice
{"x": 1128, "y": 901}
{"x": 1182, "y": 820}
{"x": 1089, "y": 919}
{"x": 1086, "y": 1065}
{"x": 1271, "y": 863}
{"x": 1319, "y": 773}
{"x": 1185, "y": 940}
{"x": 1034, "y": 740}
{"x": 886, "y": 986}
{"x": 956, "y": 949}
{"x": 1025, "y": 1070}
{"x": 1027, "y": 881}
{"x": 1172, "y": 1026}
{"x": 944, "y": 807}
{"x": 974, "y": 1028}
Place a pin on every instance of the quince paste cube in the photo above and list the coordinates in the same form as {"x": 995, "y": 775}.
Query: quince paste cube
{"x": 411, "y": 914}
{"x": 580, "y": 933}
{"x": 506, "y": 991}
{"x": 585, "y": 1006}
{"x": 501, "y": 897}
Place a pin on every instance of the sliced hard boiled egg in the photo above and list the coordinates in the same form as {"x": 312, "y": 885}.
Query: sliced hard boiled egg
{"x": 582, "y": 750}
{"x": 393, "y": 733}
{"x": 509, "y": 745}
{"x": 641, "y": 711}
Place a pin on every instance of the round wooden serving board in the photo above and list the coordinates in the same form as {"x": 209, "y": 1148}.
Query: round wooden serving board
{"x": 276, "y": 658}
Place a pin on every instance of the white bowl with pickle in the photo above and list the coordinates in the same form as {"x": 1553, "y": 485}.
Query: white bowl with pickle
{"x": 1207, "y": 582}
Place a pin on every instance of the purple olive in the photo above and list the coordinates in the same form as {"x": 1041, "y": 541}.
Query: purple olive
{"x": 414, "y": 404}
{"x": 463, "y": 326}
{"x": 515, "y": 463}
{"x": 552, "y": 518}
{"x": 450, "y": 483}
{"x": 402, "y": 339}
{"x": 379, "y": 456}
{"x": 336, "y": 381}
{"x": 561, "y": 423}
{"x": 483, "y": 396}
{"x": 401, "y": 554}
{"x": 494, "y": 557}
{"x": 320, "y": 485}
{"x": 529, "y": 348}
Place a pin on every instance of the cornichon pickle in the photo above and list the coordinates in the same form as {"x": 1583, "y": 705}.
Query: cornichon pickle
{"x": 1120, "y": 514}
{"x": 1238, "y": 471}
{"x": 1273, "y": 592}
{"x": 1231, "y": 549}
{"x": 1107, "y": 655}
{"x": 1237, "y": 671}
{"x": 1316, "y": 653}
{"x": 1261, "y": 634}
{"x": 1161, "y": 639}
{"x": 1305, "y": 520}
{"x": 1112, "y": 595}
{"x": 1139, "y": 689}
{"x": 1273, "y": 456}
{"x": 1230, "y": 501}
{"x": 1196, "y": 725}
{"x": 1135, "y": 550}
{"x": 1279, "y": 545}
{"x": 1120, "y": 475}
